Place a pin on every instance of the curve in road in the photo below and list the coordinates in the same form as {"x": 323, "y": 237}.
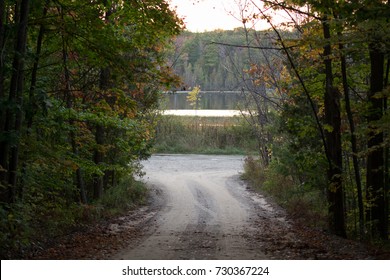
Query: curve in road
{"x": 206, "y": 210}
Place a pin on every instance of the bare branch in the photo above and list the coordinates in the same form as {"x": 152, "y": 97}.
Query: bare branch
{"x": 251, "y": 47}
{"x": 301, "y": 81}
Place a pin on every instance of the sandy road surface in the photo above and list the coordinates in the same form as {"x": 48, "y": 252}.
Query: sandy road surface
{"x": 205, "y": 210}
{"x": 200, "y": 209}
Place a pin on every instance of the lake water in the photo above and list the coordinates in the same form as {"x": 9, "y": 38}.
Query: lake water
{"x": 209, "y": 100}
{"x": 203, "y": 113}
{"x": 210, "y": 104}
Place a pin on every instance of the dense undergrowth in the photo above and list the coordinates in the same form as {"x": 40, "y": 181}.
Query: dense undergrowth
{"x": 24, "y": 229}
{"x": 303, "y": 202}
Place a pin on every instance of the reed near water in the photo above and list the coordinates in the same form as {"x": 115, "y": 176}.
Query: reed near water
{"x": 204, "y": 135}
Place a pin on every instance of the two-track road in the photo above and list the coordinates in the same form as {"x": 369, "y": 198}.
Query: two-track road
{"x": 205, "y": 211}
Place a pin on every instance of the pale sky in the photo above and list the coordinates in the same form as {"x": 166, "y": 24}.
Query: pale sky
{"x": 207, "y": 15}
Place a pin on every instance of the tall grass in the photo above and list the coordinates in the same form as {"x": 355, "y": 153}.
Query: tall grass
{"x": 204, "y": 135}
{"x": 129, "y": 194}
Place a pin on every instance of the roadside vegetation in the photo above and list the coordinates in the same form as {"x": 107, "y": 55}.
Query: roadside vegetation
{"x": 305, "y": 202}
{"x": 204, "y": 135}
{"x": 31, "y": 228}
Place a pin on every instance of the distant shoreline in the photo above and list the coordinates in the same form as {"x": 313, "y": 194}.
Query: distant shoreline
{"x": 203, "y": 113}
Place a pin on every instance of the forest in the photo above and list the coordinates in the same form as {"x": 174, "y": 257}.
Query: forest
{"x": 316, "y": 88}
{"x": 214, "y": 60}
{"x": 80, "y": 83}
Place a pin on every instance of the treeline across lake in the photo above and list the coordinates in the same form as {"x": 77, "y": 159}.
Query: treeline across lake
{"x": 213, "y": 60}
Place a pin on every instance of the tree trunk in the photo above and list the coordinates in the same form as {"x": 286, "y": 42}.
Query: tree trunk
{"x": 3, "y": 143}
{"x": 387, "y": 151}
{"x": 375, "y": 187}
{"x": 104, "y": 81}
{"x": 353, "y": 138}
{"x": 69, "y": 100}
{"x": 32, "y": 106}
{"x": 13, "y": 119}
{"x": 98, "y": 158}
{"x": 79, "y": 174}
{"x": 2, "y": 41}
{"x": 333, "y": 142}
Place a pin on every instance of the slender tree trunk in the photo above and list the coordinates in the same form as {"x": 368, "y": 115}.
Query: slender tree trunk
{"x": 98, "y": 158}
{"x": 104, "y": 82}
{"x": 333, "y": 142}
{"x": 69, "y": 100}
{"x": 14, "y": 119}
{"x": 353, "y": 138}
{"x": 375, "y": 188}
{"x": 2, "y": 51}
{"x": 79, "y": 174}
{"x": 32, "y": 106}
{"x": 99, "y": 138}
{"x": 387, "y": 149}
{"x": 3, "y": 143}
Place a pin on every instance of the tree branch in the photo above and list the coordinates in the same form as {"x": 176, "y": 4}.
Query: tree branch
{"x": 251, "y": 47}
{"x": 289, "y": 8}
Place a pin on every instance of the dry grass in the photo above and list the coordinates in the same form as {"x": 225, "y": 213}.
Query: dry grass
{"x": 214, "y": 135}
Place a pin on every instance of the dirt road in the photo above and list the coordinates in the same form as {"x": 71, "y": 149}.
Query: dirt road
{"x": 206, "y": 211}
{"x": 200, "y": 209}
